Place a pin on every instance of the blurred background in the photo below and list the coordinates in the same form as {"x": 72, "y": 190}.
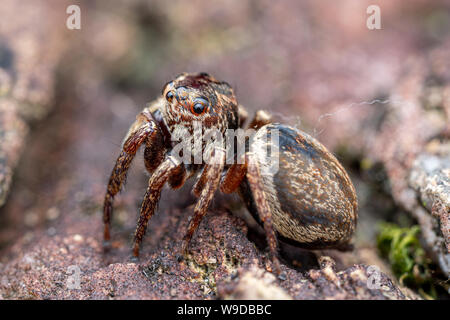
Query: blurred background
{"x": 378, "y": 99}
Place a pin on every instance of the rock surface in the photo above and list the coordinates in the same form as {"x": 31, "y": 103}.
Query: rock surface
{"x": 430, "y": 178}
{"x": 223, "y": 263}
{"x": 31, "y": 45}
{"x": 413, "y": 145}
{"x": 380, "y": 96}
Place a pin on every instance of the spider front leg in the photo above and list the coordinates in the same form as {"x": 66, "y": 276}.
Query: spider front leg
{"x": 144, "y": 129}
{"x": 169, "y": 169}
{"x": 235, "y": 173}
{"x": 211, "y": 174}
{"x": 243, "y": 115}
{"x": 260, "y": 119}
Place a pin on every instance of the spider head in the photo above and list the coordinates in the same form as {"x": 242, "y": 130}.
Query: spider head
{"x": 199, "y": 97}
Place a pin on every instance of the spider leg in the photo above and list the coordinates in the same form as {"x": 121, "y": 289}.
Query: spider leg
{"x": 143, "y": 129}
{"x": 255, "y": 182}
{"x": 233, "y": 178}
{"x": 201, "y": 182}
{"x": 178, "y": 177}
{"x": 164, "y": 172}
{"x": 260, "y": 119}
{"x": 212, "y": 173}
{"x": 243, "y": 116}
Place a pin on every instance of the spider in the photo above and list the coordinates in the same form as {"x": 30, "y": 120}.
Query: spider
{"x": 309, "y": 201}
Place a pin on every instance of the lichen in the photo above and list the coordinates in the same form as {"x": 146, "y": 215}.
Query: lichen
{"x": 206, "y": 271}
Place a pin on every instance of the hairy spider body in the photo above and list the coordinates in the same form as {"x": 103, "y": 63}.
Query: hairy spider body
{"x": 311, "y": 197}
{"x": 309, "y": 200}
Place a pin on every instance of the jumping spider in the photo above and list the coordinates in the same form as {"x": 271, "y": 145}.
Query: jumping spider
{"x": 309, "y": 202}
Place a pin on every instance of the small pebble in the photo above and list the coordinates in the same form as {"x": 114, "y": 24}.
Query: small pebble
{"x": 31, "y": 218}
{"x": 52, "y": 213}
{"x": 78, "y": 238}
{"x": 51, "y": 231}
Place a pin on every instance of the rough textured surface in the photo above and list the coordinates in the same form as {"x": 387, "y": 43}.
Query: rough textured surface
{"x": 430, "y": 178}
{"x": 326, "y": 283}
{"x": 223, "y": 264}
{"x": 13, "y": 131}
{"x": 31, "y": 45}
{"x": 253, "y": 284}
{"x": 373, "y": 97}
{"x": 413, "y": 146}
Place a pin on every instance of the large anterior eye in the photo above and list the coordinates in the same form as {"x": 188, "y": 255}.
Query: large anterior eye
{"x": 169, "y": 96}
{"x": 200, "y": 106}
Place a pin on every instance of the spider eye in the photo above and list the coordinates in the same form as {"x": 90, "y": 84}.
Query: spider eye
{"x": 169, "y": 96}
{"x": 199, "y": 106}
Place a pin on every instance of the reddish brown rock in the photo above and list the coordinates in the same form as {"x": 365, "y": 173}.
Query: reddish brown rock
{"x": 316, "y": 67}
{"x": 222, "y": 264}
{"x": 31, "y": 46}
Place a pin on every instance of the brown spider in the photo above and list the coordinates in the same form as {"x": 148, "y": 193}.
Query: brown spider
{"x": 309, "y": 201}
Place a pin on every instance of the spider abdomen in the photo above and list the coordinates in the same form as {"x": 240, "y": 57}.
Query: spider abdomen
{"x": 311, "y": 198}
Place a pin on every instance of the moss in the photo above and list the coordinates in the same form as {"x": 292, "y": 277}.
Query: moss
{"x": 401, "y": 246}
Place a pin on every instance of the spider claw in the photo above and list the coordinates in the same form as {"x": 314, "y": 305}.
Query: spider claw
{"x": 106, "y": 245}
{"x": 135, "y": 256}
{"x": 182, "y": 254}
{"x": 134, "y": 259}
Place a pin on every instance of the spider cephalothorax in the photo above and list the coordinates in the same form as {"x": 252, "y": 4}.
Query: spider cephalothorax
{"x": 308, "y": 201}
{"x": 202, "y": 98}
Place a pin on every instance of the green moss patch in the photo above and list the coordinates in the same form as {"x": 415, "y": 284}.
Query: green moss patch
{"x": 401, "y": 246}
